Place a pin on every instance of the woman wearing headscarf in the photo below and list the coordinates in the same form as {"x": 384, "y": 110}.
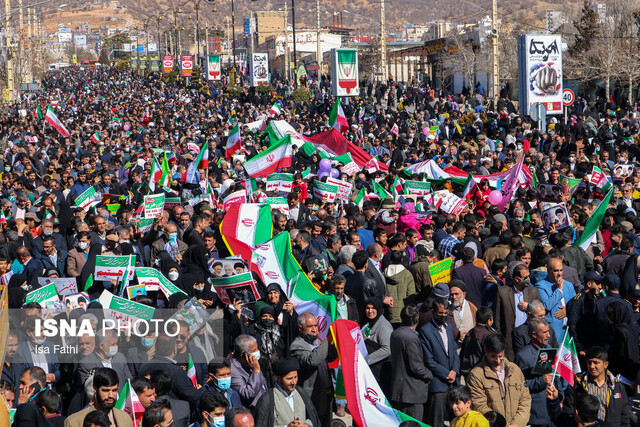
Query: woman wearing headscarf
{"x": 196, "y": 259}
{"x": 284, "y": 313}
{"x": 170, "y": 268}
{"x": 376, "y": 331}
{"x": 624, "y": 355}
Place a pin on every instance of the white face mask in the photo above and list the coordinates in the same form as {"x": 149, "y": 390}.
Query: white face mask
{"x": 173, "y": 276}
{"x": 83, "y": 245}
{"x": 113, "y": 350}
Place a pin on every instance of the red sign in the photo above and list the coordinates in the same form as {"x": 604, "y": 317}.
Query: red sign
{"x": 167, "y": 63}
{"x": 187, "y": 65}
{"x": 568, "y": 97}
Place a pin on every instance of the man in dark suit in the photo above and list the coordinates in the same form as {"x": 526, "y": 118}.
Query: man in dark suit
{"x": 163, "y": 360}
{"x": 373, "y": 266}
{"x": 297, "y": 211}
{"x": 28, "y": 414}
{"x": 38, "y": 350}
{"x": 161, "y": 380}
{"x": 35, "y": 244}
{"x": 509, "y": 314}
{"x": 32, "y": 267}
{"x": 410, "y": 377}
{"x": 359, "y": 286}
{"x": 51, "y": 257}
{"x": 441, "y": 357}
{"x": 106, "y": 351}
{"x": 520, "y": 336}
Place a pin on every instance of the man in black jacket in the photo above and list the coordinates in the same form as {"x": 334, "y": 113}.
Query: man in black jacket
{"x": 614, "y": 405}
{"x": 361, "y": 287}
{"x": 410, "y": 377}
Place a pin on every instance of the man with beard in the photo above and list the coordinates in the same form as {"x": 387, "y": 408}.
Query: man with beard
{"x": 11, "y": 370}
{"x": 105, "y": 388}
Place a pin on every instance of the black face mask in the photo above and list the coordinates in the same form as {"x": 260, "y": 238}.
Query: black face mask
{"x": 440, "y": 320}
{"x": 268, "y": 323}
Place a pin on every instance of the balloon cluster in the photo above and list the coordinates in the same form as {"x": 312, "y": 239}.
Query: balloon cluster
{"x": 327, "y": 170}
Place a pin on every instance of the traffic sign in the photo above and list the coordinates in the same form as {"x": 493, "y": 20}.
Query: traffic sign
{"x": 568, "y": 97}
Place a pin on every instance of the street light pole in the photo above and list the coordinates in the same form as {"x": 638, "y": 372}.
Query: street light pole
{"x": 233, "y": 33}
{"x": 295, "y": 52}
{"x": 197, "y": 5}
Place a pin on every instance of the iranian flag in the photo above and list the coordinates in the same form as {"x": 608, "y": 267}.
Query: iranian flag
{"x": 275, "y": 110}
{"x": 191, "y": 371}
{"x": 70, "y": 98}
{"x": 599, "y": 179}
{"x": 156, "y": 174}
{"x": 566, "y": 363}
{"x": 397, "y": 186}
{"x": 372, "y": 165}
{"x": 233, "y": 142}
{"x": 53, "y": 120}
{"x": 337, "y": 119}
{"x": 469, "y": 188}
{"x": 165, "y": 178}
{"x": 128, "y": 402}
{"x": 367, "y": 403}
{"x": 590, "y": 231}
{"x": 38, "y": 113}
{"x": 3, "y": 219}
{"x": 380, "y": 190}
{"x": 276, "y": 264}
{"x": 269, "y": 161}
{"x": 95, "y": 137}
{"x": 202, "y": 161}
{"x": 395, "y": 129}
{"x": 360, "y": 197}
{"x": 430, "y": 168}
{"x": 245, "y": 226}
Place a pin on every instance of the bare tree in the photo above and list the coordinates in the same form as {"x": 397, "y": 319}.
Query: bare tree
{"x": 465, "y": 55}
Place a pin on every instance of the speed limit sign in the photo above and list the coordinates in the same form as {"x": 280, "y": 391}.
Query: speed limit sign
{"x": 568, "y": 97}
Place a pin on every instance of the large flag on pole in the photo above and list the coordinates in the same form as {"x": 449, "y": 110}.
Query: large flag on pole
{"x": 128, "y": 402}
{"x": 367, "y": 403}
{"x": 566, "y": 363}
{"x": 590, "y": 231}
{"x": 233, "y": 142}
{"x": 469, "y": 188}
{"x": 337, "y": 119}
{"x": 53, "y": 120}
{"x": 156, "y": 174}
{"x": 246, "y": 225}
{"x": 269, "y": 161}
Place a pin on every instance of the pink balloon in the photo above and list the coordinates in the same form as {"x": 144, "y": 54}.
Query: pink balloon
{"x": 126, "y": 127}
{"x": 495, "y": 197}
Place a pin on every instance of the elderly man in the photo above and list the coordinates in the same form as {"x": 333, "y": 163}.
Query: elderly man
{"x": 170, "y": 243}
{"x": 246, "y": 376}
{"x": 312, "y": 354}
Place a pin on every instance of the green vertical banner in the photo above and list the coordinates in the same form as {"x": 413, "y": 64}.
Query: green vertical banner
{"x": 344, "y": 71}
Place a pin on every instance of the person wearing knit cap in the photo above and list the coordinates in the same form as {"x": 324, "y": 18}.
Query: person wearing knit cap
{"x": 286, "y": 404}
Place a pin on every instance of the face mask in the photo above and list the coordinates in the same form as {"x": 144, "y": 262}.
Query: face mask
{"x": 12, "y": 199}
{"x": 7, "y": 168}
{"x": 224, "y": 383}
{"x": 47, "y": 232}
{"x": 256, "y": 354}
{"x": 112, "y": 350}
{"x": 572, "y": 159}
{"x": 199, "y": 288}
{"x": 173, "y": 237}
{"x": 215, "y": 421}
{"x": 147, "y": 342}
{"x": 173, "y": 276}
{"x": 83, "y": 245}
{"x": 499, "y": 149}
{"x": 441, "y": 320}
{"x": 268, "y": 322}
{"x": 519, "y": 147}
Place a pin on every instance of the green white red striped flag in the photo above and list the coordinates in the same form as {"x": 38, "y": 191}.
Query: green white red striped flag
{"x": 38, "y": 113}
{"x": 469, "y": 188}
{"x": 245, "y": 226}
{"x": 128, "y": 402}
{"x": 566, "y": 363}
{"x": 191, "y": 371}
{"x": 275, "y": 110}
{"x": 590, "y": 231}
{"x": 360, "y": 197}
{"x": 53, "y": 120}
{"x": 233, "y": 142}
{"x": 95, "y": 137}
{"x": 367, "y": 403}
{"x": 337, "y": 118}
{"x": 276, "y": 264}
{"x": 269, "y": 161}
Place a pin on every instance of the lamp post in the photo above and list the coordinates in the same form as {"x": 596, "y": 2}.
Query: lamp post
{"x": 295, "y": 52}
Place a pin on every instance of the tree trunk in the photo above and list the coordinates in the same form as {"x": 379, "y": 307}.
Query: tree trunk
{"x": 630, "y": 89}
{"x": 607, "y": 87}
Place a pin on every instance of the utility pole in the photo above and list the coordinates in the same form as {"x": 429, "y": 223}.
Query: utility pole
{"x": 383, "y": 43}
{"x": 295, "y": 52}
{"x": 494, "y": 53}
{"x": 233, "y": 32}
{"x": 9, "y": 39}
{"x": 198, "y": 29}
{"x": 287, "y": 70}
{"x": 318, "y": 45}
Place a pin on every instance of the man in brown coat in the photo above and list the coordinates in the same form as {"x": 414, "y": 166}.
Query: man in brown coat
{"x": 498, "y": 385}
{"x": 511, "y": 303}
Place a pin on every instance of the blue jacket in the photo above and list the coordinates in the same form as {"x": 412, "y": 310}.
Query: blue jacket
{"x": 526, "y": 359}
{"x": 438, "y": 362}
{"x": 551, "y": 298}
{"x": 366, "y": 237}
{"x": 78, "y": 188}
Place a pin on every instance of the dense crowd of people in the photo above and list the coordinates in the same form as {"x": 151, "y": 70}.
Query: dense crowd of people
{"x": 468, "y": 350}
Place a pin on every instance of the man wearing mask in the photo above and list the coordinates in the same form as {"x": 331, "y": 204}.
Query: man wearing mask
{"x": 106, "y": 354}
{"x": 246, "y": 375}
{"x": 170, "y": 243}
{"x": 212, "y": 408}
{"x": 77, "y": 257}
{"x": 441, "y": 358}
{"x": 220, "y": 380}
